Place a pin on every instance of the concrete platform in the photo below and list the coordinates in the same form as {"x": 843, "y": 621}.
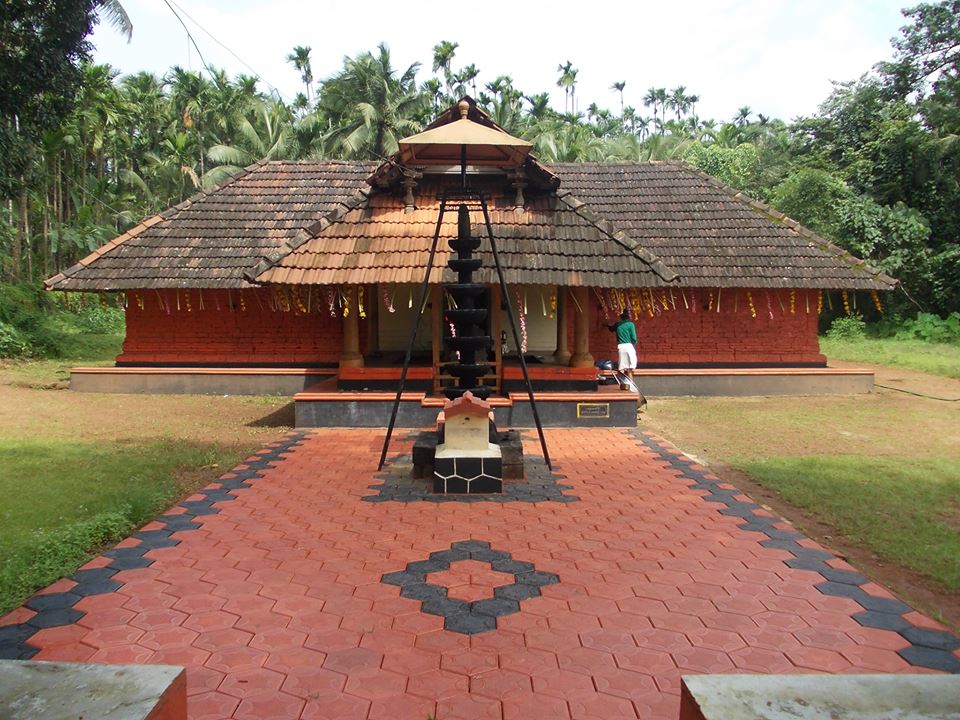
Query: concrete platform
{"x": 653, "y": 382}
{"x": 196, "y": 380}
{"x": 844, "y": 697}
{"x": 66, "y": 691}
{"x": 753, "y": 381}
{"x": 605, "y": 407}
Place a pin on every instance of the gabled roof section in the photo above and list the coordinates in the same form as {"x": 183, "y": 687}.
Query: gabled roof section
{"x": 211, "y": 239}
{"x": 555, "y": 241}
{"x": 712, "y": 234}
{"x": 395, "y": 167}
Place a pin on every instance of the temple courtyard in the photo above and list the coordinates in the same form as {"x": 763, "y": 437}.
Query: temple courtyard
{"x": 304, "y": 584}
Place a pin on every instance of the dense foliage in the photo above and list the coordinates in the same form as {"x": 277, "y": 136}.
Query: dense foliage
{"x": 877, "y": 169}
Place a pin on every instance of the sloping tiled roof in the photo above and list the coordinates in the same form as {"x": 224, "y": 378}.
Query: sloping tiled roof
{"x": 555, "y": 241}
{"x": 210, "y": 240}
{"x": 710, "y": 233}
{"x": 605, "y": 219}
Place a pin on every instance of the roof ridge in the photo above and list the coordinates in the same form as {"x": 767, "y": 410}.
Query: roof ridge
{"x": 133, "y": 232}
{"x": 633, "y": 246}
{"x": 305, "y": 234}
{"x": 784, "y": 220}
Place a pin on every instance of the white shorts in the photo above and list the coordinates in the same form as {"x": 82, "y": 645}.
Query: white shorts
{"x": 628, "y": 356}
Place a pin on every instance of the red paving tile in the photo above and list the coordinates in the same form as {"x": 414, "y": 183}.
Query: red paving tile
{"x": 275, "y": 604}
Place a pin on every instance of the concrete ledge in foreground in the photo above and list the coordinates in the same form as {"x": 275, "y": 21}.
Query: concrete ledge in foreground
{"x": 820, "y": 697}
{"x": 31, "y": 690}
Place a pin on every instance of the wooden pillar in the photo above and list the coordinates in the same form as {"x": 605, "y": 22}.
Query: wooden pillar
{"x": 562, "y": 354}
{"x": 350, "y": 356}
{"x": 581, "y": 329}
{"x": 373, "y": 319}
{"x": 436, "y": 332}
{"x": 496, "y": 327}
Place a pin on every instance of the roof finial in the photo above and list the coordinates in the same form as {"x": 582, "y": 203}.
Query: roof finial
{"x": 464, "y": 107}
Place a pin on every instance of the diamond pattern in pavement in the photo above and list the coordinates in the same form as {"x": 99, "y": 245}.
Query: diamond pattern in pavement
{"x": 272, "y": 587}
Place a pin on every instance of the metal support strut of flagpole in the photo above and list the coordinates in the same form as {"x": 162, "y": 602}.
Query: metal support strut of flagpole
{"x": 413, "y": 334}
{"x": 513, "y": 327}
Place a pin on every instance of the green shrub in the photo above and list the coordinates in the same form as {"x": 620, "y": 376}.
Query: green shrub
{"x": 851, "y": 327}
{"x": 34, "y": 324}
{"x": 102, "y": 319}
{"x": 931, "y": 328}
{"x": 12, "y": 342}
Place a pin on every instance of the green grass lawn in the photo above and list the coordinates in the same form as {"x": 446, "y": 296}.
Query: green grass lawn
{"x": 907, "y": 510}
{"x": 63, "y": 500}
{"x": 934, "y": 358}
{"x": 881, "y": 471}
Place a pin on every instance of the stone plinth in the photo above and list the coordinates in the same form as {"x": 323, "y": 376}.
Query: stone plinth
{"x": 67, "y": 691}
{"x": 466, "y": 461}
{"x": 820, "y": 697}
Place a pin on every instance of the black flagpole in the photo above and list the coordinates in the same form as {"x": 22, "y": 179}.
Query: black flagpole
{"x": 413, "y": 334}
{"x": 513, "y": 327}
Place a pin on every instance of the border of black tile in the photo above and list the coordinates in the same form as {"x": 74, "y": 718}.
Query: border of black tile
{"x": 461, "y": 616}
{"x": 56, "y": 609}
{"x": 928, "y": 648}
{"x": 399, "y": 485}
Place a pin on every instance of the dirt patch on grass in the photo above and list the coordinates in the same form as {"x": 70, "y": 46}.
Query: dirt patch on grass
{"x": 723, "y": 432}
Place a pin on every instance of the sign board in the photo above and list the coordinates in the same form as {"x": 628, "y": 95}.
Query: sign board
{"x": 593, "y": 410}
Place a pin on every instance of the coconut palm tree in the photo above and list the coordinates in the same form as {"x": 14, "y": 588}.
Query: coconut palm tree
{"x": 268, "y": 136}
{"x": 300, "y": 59}
{"x": 115, "y": 14}
{"x": 743, "y": 116}
{"x": 369, "y": 106}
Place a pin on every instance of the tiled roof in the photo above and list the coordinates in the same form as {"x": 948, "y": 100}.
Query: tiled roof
{"x": 710, "y": 233}
{"x": 210, "y": 240}
{"x": 554, "y": 241}
{"x": 608, "y": 225}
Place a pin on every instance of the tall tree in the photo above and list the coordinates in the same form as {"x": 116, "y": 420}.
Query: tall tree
{"x": 679, "y": 101}
{"x": 618, "y": 87}
{"x": 300, "y": 59}
{"x": 443, "y": 53}
{"x": 371, "y": 106}
{"x": 568, "y": 81}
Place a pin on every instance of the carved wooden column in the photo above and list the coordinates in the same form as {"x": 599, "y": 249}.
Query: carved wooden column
{"x": 350, "y": 356}
{"x": 562, "y": 354}
{"x": 581, "y": 329}
{"x": 373, "y": 319}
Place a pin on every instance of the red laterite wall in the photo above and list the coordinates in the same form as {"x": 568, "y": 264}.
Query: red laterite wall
{"x": 224, "y": 333}
{"x": 695, "y": 334}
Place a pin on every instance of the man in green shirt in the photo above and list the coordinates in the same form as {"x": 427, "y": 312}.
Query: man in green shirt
{"x": 626, "y": 333}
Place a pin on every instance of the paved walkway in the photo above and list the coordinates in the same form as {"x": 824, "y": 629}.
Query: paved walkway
{"x": 293, "y": 588}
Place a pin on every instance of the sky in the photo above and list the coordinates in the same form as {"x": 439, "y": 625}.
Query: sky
{"x": 776, "y": 56}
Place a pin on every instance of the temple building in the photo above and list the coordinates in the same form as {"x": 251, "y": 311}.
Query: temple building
{"x": 296, "y": 274}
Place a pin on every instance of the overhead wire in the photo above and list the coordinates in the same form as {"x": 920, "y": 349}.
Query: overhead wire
{"x": 189, "y": 35}
{"x": 172, "y": 4}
